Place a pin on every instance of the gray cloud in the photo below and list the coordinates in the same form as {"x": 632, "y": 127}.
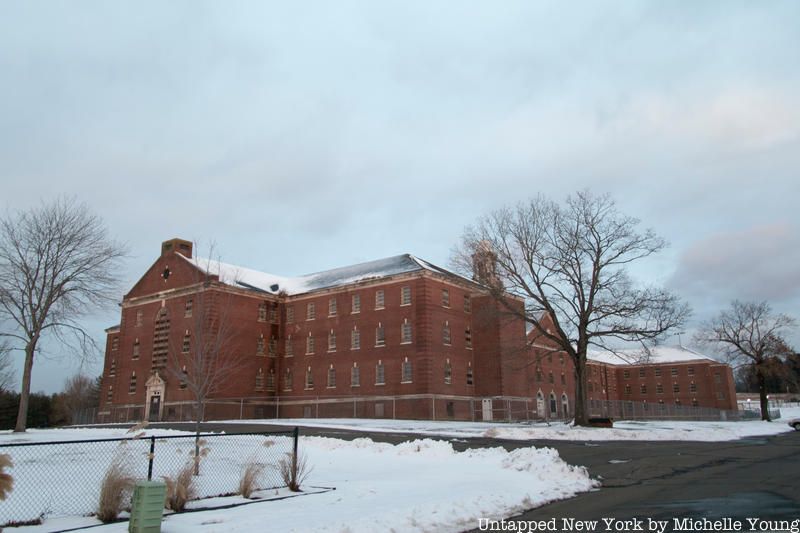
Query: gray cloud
{"x": 304, "y": 137}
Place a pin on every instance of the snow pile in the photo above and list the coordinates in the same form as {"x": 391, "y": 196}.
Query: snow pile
{"x": 422, "y": 485}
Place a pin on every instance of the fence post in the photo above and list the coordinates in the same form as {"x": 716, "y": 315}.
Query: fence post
{"x": 296, "y": 437}
{"x": 150, "y": 459}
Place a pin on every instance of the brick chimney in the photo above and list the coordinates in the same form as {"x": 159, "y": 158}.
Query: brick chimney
{"x": 176, "y": 245}
{"x": 484, "y": 264}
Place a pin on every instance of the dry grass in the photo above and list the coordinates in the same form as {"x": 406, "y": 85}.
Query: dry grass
{"x": 180, "y": 489}
{"x": 116, "y": 489}
{"x": 294, "y": 470}
{"x": 6, "y": 481}
{"x": 250, "y": 475}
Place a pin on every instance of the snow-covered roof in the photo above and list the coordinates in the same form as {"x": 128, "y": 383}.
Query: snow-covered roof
{"x": 654, "y": 355}
{"x": 270, "y": 283}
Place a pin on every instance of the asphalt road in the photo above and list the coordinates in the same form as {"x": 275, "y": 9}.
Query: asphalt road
{"x": 749, "y": 478}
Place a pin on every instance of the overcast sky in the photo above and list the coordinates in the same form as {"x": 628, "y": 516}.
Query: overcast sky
{"x": 301, "y": 136}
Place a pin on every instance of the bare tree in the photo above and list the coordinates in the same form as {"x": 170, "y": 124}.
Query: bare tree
{"x": 749, "y": 334}
{"x": 57, "y": 263}
{"x": 569, "y": 265}
{"x": 80, "y": 394}
{"x": 6, "y": 366}
{"x": 205, "y": 357}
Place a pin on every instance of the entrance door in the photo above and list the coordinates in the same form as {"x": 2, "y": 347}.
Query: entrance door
{"x": 486, "y": 409}
{"x": 540, "y": 405}
{"x": 155, "y": 408}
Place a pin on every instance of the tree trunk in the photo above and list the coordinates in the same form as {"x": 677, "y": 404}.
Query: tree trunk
{"x": 25, "y": 391}
{"x": 581, "y": 415}
{"x": 200, "y": 413}
{"x": 762, "y": 394}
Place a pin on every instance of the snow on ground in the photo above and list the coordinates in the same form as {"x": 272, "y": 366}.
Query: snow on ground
{"x": 624, "y": 430}
{"x": 421, "y": 485}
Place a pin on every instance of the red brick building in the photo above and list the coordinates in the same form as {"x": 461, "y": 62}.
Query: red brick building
{"x": 397, "y": 337}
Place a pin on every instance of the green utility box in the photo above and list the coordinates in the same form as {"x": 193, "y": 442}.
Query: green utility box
{"x": 147, "y": 507}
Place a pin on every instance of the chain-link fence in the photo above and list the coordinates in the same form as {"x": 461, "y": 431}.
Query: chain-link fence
{"x": 622, "y": 410}
{"x": 66, "y": 478}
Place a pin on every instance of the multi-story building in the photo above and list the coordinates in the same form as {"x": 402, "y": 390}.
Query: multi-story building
{"x": 397, "y": 337}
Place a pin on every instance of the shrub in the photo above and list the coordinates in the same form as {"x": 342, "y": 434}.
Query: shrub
{"x": 180, "y": 489}
{"x": 6, "y": 481}
{"x": 116, "y": 488}
{"x": 250, "y": 475}
{"x": 294, "y": 470}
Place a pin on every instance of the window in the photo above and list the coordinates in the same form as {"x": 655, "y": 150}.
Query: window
{"x": 720, "y": 395}
{"x": 331, "y": 378}
{"x": 273, "y": 313}
{"x": 445, "y": 298}
{"x": 693, "y": 387}
{"x": 139, "y": 318}
{"x": 114, "y": 344}
{"x": 132, "y": 386}
{"x": 446, "y": 334}
{"x": 406, "y": 332}
{"x": 110, "y": 393}
{"x": 332, "y": 308}
{"x": 657, "y": 371}
{"x": 673, "y": 371}
{"x": 469, "y": 374}
{"x": 355, "y": 306}
{"x": 289, "y": 347}
{"x": 380, "y": 335}
{"x": 550, "y": 377}
{"x": 448, "y": 373}
{"x": 676, "y": 387}
{"x": 287, "y": 380}
{"x": 659, "y": 388}
{"x": 331, "y": 341}
{"x": 355, "y": 376}
{"x": 290, "y": 314}
{"x": 271, "y": 380}
{"x": 355, "y": 339}
{"x": 379, "y": 299}
{"x": 695, "y": 403}
{"x": 690, "y": 371}
{"x": 467, "y": 304}
{"x": 187, "y": 341}
{"x": 468, "y": 339}
{"x": 309, "y": 379}
{"x": 262, "y": 313}
{"x": 539, "y": 375}
{"x": 260, "y": 345}
{"x": 311, "y": 311}
{"x": 563, "y": 379}
{"x": 187, "y": 310}
{"x": 406, "y": 376}
{"x": 260, "y": 380}
{"x": 161, "y": 339}
{"x": 591, "y": 387}
{"x": 380, "y": 376}
{"x": 643, "y": 389}
{"x": 405, "y": 296}
{"x": 309, "y": 344}
{"x": 135, "y": 349}
{"x": 626, "y": 374}
{"x": 112, "y": 370}
{"x": 184, "y": 380}
{"x": 717, "y": 378}
{"x": 642, "y": 372}
{"x": 561, "y": 359}
{"x": 627, "y": 390}
{"x": 273, "y": 346}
